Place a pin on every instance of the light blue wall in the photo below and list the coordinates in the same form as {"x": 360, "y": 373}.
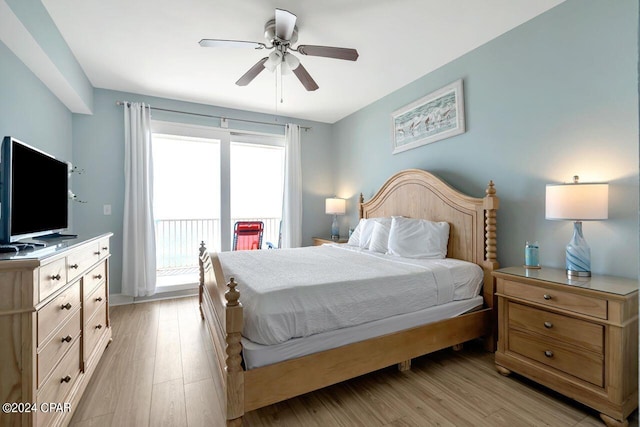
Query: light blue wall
{"x": 36, "y": 19}
{"x": 29, "y": 111}
{"x": 98, "y": 148}
{"x": 554, "y": 97}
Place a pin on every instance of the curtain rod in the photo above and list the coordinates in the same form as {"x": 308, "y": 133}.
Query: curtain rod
{"x": 306, "y": 128}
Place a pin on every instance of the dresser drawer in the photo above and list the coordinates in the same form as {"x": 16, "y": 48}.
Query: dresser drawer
{"x": 94, "y": 328}
{"x": 52, "y": 277}
{"x": 81, "y": 259}
{"x": 103, "y": 248}
{"x": 581, "y": 364}
{"x": 557, "y": 327}
{"x": 94, "y": 278}
{"x": 55, "y": 348}
{"x": 61, "y": 381}
{"x": 559, "y": 299}
{"x": 93, "y": 301}
{"x": 57, "y": 311}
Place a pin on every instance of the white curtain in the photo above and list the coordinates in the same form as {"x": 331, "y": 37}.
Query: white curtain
{"x": 292, "y": 200}
{"x": 139, "y": 243}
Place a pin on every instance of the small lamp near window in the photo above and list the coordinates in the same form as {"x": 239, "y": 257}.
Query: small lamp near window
{"x": 334, "y": 206}
{"x": 577, "y": 202}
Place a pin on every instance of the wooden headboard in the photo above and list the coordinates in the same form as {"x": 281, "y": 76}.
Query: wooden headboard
{"x": 416, "y": 193}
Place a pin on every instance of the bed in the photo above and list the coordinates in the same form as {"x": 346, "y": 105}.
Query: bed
{"x": 277, "y": 374}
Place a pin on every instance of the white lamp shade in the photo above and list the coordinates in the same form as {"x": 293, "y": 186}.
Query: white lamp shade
{"x": 335, "y": 206}
{"x": 577, "y": 202}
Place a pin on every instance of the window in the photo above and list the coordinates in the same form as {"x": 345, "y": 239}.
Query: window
{"x": 205, "y": 180}
{"x": 256, "y": 183}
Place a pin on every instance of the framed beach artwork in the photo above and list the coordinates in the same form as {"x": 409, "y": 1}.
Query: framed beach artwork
{"x": 436, "y": 116}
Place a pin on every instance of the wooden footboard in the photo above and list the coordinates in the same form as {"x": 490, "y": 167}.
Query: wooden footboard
{"x": 222, "y": 312}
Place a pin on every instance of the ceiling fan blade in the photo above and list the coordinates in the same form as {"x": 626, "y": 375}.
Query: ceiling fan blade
{"x": 304, "y": 77}
{"x": 329, "y": 52}
{"x": 231, "y": 43}
{"x": 285, "y": 24}
{"x": 252, "y": 73}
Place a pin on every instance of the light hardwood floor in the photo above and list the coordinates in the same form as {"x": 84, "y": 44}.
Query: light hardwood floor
{"x": 157, "y": 372}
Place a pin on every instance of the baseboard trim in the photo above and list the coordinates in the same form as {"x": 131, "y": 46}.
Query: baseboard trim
{"x": 120, "y": 299}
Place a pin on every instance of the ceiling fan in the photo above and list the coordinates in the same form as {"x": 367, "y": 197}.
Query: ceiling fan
{"x": 281, "y": 33}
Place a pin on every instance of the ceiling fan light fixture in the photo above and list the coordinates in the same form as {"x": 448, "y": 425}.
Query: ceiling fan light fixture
{"x": 281, "y": 34}
{"x": 285, "y": 69}
{"x": 291, "y": 61}
{"x": 275, "y": 59}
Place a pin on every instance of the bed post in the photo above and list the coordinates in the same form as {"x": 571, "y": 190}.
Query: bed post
{"x": 235, "y": 374}
{"x": 203, "y": 249}
{"x": 491, "y": 203}
{"x": 360, "y": 207}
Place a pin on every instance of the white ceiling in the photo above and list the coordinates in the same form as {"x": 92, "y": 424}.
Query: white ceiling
{"x": 151, "y": 47}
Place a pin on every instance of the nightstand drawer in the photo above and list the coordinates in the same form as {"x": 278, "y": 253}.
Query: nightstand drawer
{"x": 557, "y": 327}
{"x": 581, "y": 364}
{"x": 582, "y": 304}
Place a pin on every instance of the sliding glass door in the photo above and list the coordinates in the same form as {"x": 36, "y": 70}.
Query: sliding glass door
{"x": 256, "y": 183}
{"x": 206, "y": 179}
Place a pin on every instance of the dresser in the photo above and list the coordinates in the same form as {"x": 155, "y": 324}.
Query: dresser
{"x": 54, "y": 327}
{"x": 577, "y": 336}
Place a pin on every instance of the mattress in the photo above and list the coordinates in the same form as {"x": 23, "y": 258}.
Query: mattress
{"x": 257, "y": 355}
{"x": 294, "y": 293}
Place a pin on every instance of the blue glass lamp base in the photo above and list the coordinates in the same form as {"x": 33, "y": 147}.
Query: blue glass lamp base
{"x": 578, "y": 260}
{"x": 335, "y": 229}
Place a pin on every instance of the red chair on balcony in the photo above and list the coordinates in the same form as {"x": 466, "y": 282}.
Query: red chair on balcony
{"x": 247, "y": 235}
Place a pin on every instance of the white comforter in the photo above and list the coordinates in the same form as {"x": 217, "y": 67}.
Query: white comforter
{"x": 289, "y": 293}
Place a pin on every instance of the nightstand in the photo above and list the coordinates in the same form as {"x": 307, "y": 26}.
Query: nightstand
{"x": 577, "y": 336}
{"x": 317, "y": 241}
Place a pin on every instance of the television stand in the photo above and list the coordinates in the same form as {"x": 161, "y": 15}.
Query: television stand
{"x": 21, "y": 246}
{"x": 53, "y": 236}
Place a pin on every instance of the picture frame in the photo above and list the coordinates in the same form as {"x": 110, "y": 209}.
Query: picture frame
{"x": 436, "y": 116}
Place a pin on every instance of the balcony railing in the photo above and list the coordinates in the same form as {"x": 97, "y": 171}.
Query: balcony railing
{"x": 177, "y": 240}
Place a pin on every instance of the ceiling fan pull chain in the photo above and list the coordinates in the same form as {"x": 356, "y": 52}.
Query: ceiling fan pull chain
{"x": 281, "y": 90}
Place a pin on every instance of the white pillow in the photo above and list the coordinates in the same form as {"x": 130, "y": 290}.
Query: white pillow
{"x": 354, "y": 239}
{"x": 367, "y": 230}
{"x": 418, "y": 238}
{"x": 380, "y": 238}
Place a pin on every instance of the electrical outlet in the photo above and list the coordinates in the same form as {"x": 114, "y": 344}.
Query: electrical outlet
{"x": 106, "y": 209}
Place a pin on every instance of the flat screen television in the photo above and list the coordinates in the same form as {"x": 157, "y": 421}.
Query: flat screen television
{"x": 34, "y": 199}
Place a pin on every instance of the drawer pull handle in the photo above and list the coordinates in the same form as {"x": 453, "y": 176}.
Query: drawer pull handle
{"x": 547, "y": 297}
{"x": 105, "y": 248}
{"x": 99, "y": 299}
{"x": 548, "y": 353}
{"x": 99, "y": 326}
{"x": 67, "y": 338}
{"x": 65, "y": 379}
{"x": 548, "y": 325}
{"x": 56, "y": 277}
{"x": 98, "y": 276}
{"x": 74, "y": 266}
{"x": 97, "y": 253}
{"x": 66, "y": 306}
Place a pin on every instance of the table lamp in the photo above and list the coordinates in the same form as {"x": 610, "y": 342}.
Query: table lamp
{"x": 334, "y": 206}
{"x": 577, "y": 202}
